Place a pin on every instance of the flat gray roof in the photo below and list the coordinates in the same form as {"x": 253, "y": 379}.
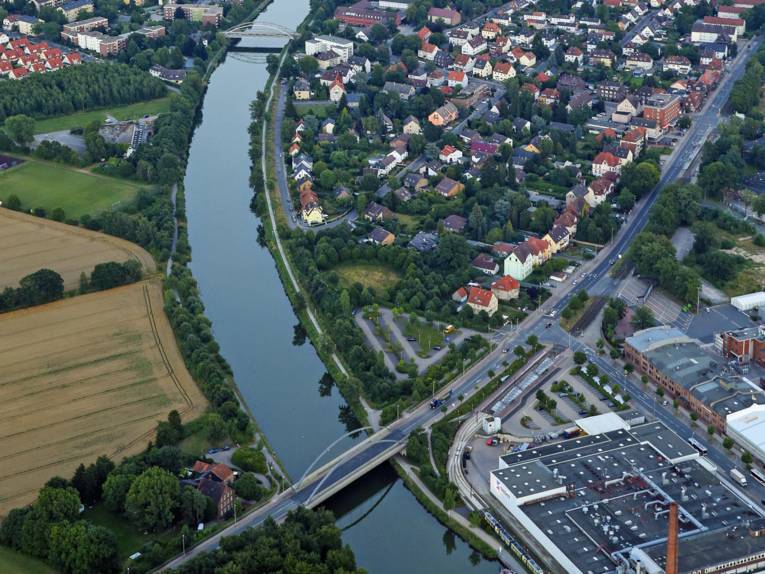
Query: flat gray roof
{"x": 647, "y": 338}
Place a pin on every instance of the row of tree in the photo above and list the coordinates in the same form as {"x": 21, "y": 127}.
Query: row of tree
{"x": 78, "y": 88}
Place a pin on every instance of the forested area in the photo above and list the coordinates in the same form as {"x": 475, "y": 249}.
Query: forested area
{"x": 307, "y": 541}
{"x": 78, "y": 88}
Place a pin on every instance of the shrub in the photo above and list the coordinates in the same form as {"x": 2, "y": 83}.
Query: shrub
{"x": 250, "y": 459}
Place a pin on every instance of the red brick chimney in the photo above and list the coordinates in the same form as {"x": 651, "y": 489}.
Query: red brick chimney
{"x": 672, "y": 533}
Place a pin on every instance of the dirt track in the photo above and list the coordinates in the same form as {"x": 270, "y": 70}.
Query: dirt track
{"x": 31, "y": 243}
{"x": 82, "y": 377}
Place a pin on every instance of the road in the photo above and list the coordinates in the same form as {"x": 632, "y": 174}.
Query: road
{"x": 387, "y": 442}
{"x": 704, "y": 122}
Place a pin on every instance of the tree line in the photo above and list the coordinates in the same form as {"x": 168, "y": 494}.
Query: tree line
{"x": 78, "y": 88}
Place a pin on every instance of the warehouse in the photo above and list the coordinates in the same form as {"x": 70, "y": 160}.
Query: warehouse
{"x": 748, "y": 302}
{"x": 747, "y": 428}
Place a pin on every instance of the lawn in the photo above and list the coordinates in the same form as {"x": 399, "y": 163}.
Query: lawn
{"x": 14, "y": 563}
{"x": 428, "y": 335}
{"x": 377, "y": 276}
{"x": 129, "y": 539}
{"x": 49, "y": 185}
{"x": 82, "y": 119}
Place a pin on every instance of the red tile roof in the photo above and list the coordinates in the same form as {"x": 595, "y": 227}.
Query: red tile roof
{"x": 506, "y": 283}
{"x": 480, "y": 297}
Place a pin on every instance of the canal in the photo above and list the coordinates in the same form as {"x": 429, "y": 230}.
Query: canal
{"x": 254, "y": 324}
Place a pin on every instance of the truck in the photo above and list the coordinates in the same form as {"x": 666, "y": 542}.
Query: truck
{"x": 738, "y": 476}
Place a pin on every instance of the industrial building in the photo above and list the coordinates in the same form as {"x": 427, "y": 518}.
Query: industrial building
{"x": 625, "y": 499}
{"x": 704, "y": 382}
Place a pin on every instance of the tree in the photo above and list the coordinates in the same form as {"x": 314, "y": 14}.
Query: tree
{"x": 248, "y": 487}
{"x": 250, "y": 459}
{"x": 152, "y": 499}
{"x": 82, "y": 548}
{"x": 532, "y": 340}
{"x": 728, "y": 443}
{"x": 643, "y": 318}
{"x": 580, "y": 358}
{"x": 746, "y": 458}
{"x": 14, "y": 202}
{"x": 21, "y": 129}
{"x": 193, "y": 505}
{"x": 57, "y": 504}
{"x": 640, "y": 178}
{"x": 41, "y": 287}
{"x": 115, "y": 491}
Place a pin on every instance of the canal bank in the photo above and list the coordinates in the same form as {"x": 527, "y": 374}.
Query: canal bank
{"x": 282, "y": 383}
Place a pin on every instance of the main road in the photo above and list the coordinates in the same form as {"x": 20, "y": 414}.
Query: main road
{"x": 329, "y": 479}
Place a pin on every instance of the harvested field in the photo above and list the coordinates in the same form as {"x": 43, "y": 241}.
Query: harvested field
{"x": 31, "y": 243}
{"x": 83, "y": 377}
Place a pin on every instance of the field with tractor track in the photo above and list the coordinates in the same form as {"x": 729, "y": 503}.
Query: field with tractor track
{"x": 31, "y": 243}
{"x": 82, "y": 377}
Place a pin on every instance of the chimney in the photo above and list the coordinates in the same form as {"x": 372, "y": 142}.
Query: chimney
{"x": 672, "y": 558}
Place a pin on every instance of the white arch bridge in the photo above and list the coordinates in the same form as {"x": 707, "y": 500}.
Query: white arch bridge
{"x": 259, "y": 29}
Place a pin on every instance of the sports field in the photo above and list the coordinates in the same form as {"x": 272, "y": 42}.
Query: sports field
{"x": 82, "y": 119}
{"x": 28, "y": 244}
{"x": 76, "y": 191}
{"x": 82, "y": 377}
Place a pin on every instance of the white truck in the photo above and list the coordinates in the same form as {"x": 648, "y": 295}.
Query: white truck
{"x": 738, "y": 476}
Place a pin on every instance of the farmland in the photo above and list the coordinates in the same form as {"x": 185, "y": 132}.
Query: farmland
{"x": 82, "y": 119}
{"x": 31, "y": 243}
{"x": 82, "y": 377}
{"x": 76, "y": 191}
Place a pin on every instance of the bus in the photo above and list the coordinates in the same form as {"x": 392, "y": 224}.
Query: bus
{"x": 698, "y": 446}
{"x": 758, "y": 475}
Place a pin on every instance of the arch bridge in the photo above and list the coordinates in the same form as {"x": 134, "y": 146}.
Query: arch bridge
{"x": 260, "y": 30}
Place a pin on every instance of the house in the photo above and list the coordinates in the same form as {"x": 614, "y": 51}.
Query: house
{"x": 606, "y": 162}
{"x": 475, "y": 46}
{"x": 457, "y": 78}
{"x": 415, "y": 181}
{"x": 336, "y": 91}
{"x": 627, "y": 109}
{"x": 503, "y": 71}
{"x": 301, "y": 90}
{"x": 485, "y": 263}
{"x": 403, "y": 91}
{"x": 638, "y": 61}
{"x": 214, "y": 471}
{"x": 678, "y": 64}
{"x": 521, "y": 124}
{"x": 427, "y": 51}
{"x": 424, "y": 33}
{"x": 482, "y": 300}
{"x": 464, "y": 62}
{"x": 221, "y": 494}
{"x": 506, "y": 288}
{"x": 549, "y": 96}
{"x": 328, "y": 126}
{"x": 490, "y": 30}
{"x": 601, "y": 57}
{"x": 449, "y": 188}
{"x": 424, "y": 241}
{"x": 599, "y": 190}
{"x": 483, "y": 68}
{"x": 539, "y": 248}
{"x": 412, "y": 126}
{"x": 444, "y": 115}
{"x": 376, "y": 212}
{"x": 454, "y": 223}
{"x": 634, "y": 140}
{"x": 574, "y": 56}
{"x": 380, "y": 236}
{"x": 558, "y": 238}
{"x": 460, "y": 296}
{"x": 519, "y": 263}
{"x": 445, "y": 15}
{"x": 501, "y": 249}
{"x": 527, "y": 60}
{"x": 450, "y": 154}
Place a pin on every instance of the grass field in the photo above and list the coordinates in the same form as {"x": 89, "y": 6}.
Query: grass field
{"x": 31, "y": 243}
{"x": 129, "y": 539}
{"x": 368, "y": 274}
{"x": 83, "y": 377}
{"x": 50, "y": 185}
{"x": 82, "y": 119}
{"x": 427, "y": 335}
{"x": 14, "y": 563}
